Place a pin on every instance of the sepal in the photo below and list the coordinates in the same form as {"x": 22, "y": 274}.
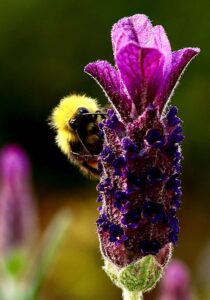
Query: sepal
{"x": 140, "y": 276}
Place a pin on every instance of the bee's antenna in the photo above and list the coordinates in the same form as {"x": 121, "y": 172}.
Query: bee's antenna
{"x": 101, "y": 114}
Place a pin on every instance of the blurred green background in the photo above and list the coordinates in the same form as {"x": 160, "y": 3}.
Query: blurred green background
{"x": 44, "y": 46}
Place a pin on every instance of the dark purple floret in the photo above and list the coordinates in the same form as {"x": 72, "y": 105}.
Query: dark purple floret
{"x": 154, "y": 138}
{"x": 174, "y": 224}
{"x": 172, "y": 118}
{"x": 103, "y": 222}
{"x": 131, "y": 218}
{"x": 176, "y": 201}
{"x": 141, "y": 159}
{"x": 100, "y": 167}
{"x": 135, "y": 179}
{"x": 149, "y": 247}
{"x": 107, "y": 154}
{"x": 173, "y": 237}
{"x": 112, "y": 121}
{"x": 101, "y": 126}
{"x": 100, "y": 198}
{"x": 153, "y": 211}
{"x": 120, "y": 200}
{"x": 119, "y": 163}
{"x": 105, "y": 185}
{"x": 129, "y": 145}
{"x": 155, "y": 175}
{"x": 175, "y": 136}
{"x": 110, "y": 113}
{"x": 173, "y": 184}
{"x": 116, "y": 233}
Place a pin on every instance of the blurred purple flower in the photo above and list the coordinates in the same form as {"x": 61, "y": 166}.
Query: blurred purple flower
{"x": 140, "y": 163}
{"x": 18, "y": 220}
{"x": 175, "y": 285}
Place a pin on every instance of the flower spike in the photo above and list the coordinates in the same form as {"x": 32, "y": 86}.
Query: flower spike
{"x": 140, "y": 164}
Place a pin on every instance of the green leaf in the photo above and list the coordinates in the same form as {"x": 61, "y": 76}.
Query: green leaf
{"x": 49, "y": 246}
{"x": 14, "y": 263}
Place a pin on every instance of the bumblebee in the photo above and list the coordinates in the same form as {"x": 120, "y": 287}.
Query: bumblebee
{"x": 75, "y": 121}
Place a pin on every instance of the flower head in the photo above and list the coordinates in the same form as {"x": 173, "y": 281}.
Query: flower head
{"x": 139, "y": 185}
{"x": 17, "y": 213}
{"x": 146, "y": 71}
{"x": 23, "y": 269}
{"x": 175, "y": 284}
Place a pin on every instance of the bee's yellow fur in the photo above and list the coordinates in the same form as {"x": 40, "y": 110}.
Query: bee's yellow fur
{"x": 63, "y": 113}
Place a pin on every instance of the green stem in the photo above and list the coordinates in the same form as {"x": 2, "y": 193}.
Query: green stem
{"x": 132, "y": 295}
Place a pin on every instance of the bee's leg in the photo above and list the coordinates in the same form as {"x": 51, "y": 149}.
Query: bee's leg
{"x": 85, "y": 156}
{"x": 103, "y": 116}
{"x": 83, "y": 145}
{"x": 92, "y": 170}
{"x": 100, "y": 113}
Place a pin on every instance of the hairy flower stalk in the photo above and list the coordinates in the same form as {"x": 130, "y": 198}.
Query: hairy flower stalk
{"x": 139, "y": 185}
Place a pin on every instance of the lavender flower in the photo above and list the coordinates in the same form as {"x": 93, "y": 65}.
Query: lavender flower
{"x": 139, "y": 185}
{"x": 175, "y": 284}
{"x": 18, "y": 219}
{"x": 22, "y": 270}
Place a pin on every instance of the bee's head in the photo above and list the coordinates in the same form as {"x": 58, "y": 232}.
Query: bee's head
{"x": 76, "y": 118}
{"x": 65, "y": 117}
{"x": 68, "y": 108}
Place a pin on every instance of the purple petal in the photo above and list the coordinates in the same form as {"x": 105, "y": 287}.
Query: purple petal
{"x": 160, "y": 40}
{"x": 141, "y": 72}
{"x": 137, "y": 29}
{"x": 180, "y": 60}
{"x": 109, "y": 79}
